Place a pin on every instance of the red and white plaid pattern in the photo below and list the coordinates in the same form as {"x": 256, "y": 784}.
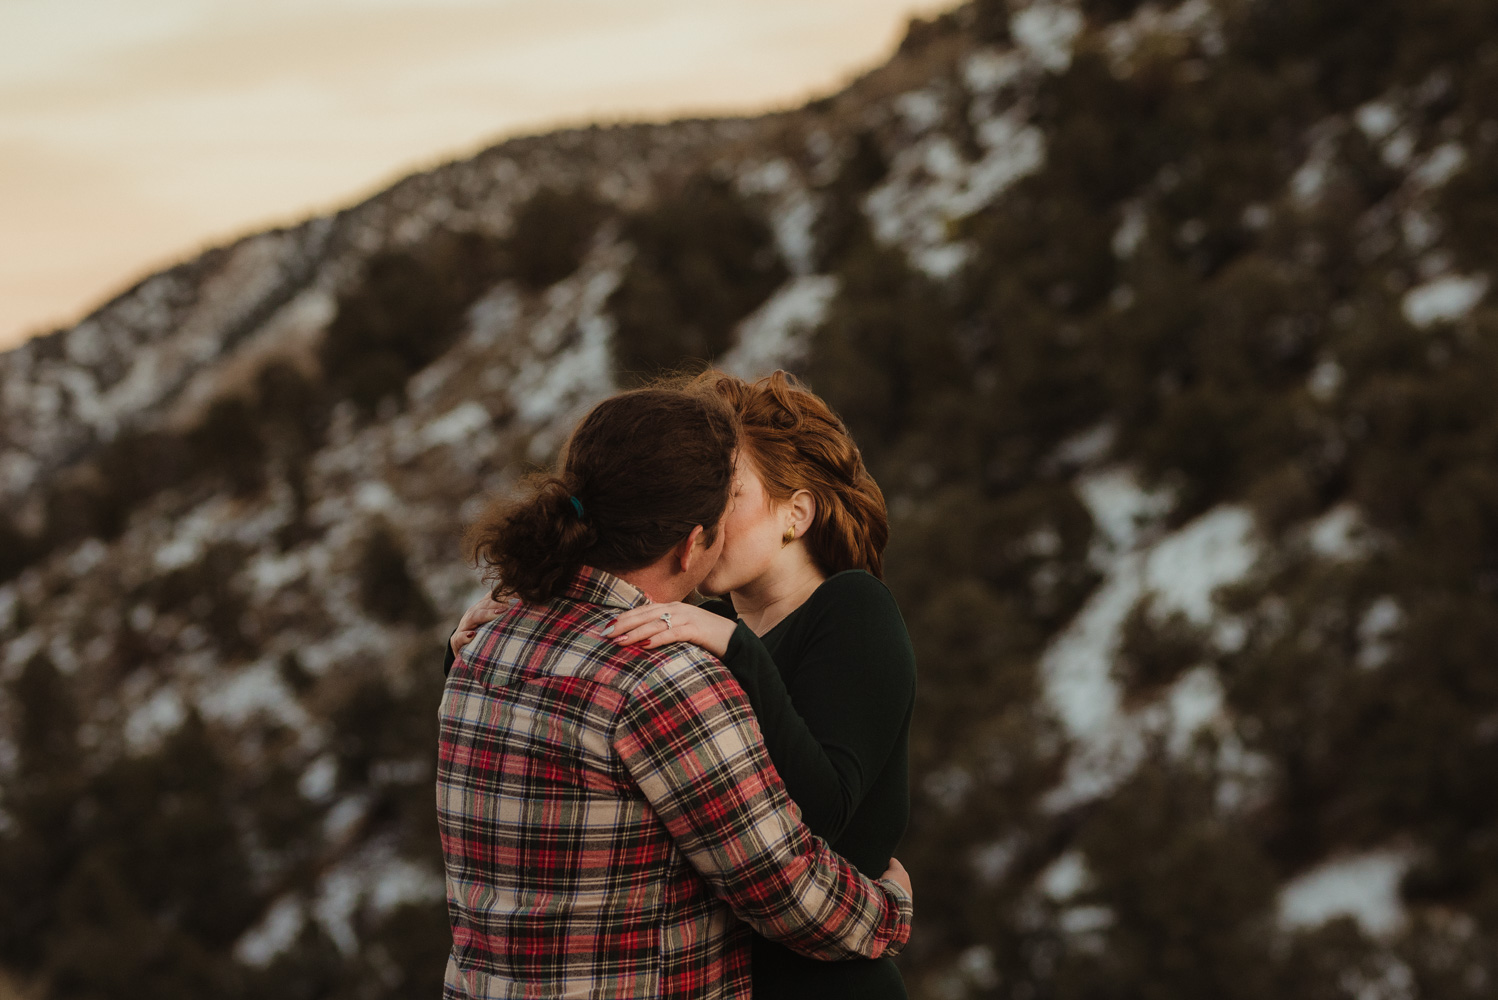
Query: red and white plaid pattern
{"x": 606, "y": 813}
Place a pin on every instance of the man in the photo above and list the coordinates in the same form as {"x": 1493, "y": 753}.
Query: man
{"x": 606, "y": 812}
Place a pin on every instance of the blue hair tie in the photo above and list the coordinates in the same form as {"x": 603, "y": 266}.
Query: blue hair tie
{"x": 577, "y": 505}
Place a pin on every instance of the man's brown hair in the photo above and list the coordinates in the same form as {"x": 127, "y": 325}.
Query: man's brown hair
{"x": 640, "y": 471}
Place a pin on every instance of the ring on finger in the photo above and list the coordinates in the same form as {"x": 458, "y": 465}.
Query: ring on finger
{"x": 666, "y": 617}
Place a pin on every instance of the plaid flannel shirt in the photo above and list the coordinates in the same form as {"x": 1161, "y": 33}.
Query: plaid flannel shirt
{"x": 606, "y": 812}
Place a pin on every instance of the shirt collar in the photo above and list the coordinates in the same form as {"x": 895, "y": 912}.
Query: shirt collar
{"x": 595, "y": 586}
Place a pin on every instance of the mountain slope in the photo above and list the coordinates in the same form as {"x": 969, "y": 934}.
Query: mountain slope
{"x": 1165, "y": 331}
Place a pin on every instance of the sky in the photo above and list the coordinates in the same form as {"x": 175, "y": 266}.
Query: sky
{"x": 133, "y": 135}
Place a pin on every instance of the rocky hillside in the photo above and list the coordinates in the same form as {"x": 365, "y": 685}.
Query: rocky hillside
{"x": 1166, "y": 331}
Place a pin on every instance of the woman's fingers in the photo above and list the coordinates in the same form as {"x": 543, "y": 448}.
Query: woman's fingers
{"x": 462, "y": 638}
{"x": 483, "y": 611}
{"x": 641, "y": 623}
{"x": 646, "y": 630}
{"x": 655, "y": 625}
{"x": 643, "y": 615}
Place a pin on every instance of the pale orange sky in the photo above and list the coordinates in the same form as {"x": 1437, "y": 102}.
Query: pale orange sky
{"x": 134, "y": 135}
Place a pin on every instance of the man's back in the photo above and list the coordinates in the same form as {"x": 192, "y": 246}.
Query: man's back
{"x": 595, "y": 802}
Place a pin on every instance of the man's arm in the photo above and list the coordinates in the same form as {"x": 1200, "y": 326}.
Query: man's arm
{"x": 689, "y": 739}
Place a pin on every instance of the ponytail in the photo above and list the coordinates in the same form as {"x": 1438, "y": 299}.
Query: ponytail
{"x": 533, "y": 542}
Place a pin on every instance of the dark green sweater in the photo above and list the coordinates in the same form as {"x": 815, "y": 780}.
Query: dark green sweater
{"x": 833, "y": 685}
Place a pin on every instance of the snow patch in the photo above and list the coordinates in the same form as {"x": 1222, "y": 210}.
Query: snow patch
{"x": 567, "y": 364}
{"x": 252, "y": 271}
{"x": 770, "y": 177}
{"x": 17, "y": 472}
{"x": 793, "y": 212}
{"x": 236, "y": 695}
{"x": 456, "y": 426}
{"x": 988, "y": 71}
{"x": 1086, "y": 448}
{"x": 775, "y": 335}
{"x": 21, "y": 649}
{"x": 1086, "y": 919}
{"x": 338, "y": 894}
{"x": 317, "y": 782}
{"x": 1065, "y": 877}
{"x": 1376, "y": 119}
{"x": 1307, "y": 183}
{"x": 344, "y": 816}
{"x": 1045, "y": 32}
{"x": 1374, "y": 629}
{"x": 275, "y": 932}
{"x": 932, "y": 186}
{"x": 1132, "y": 228}
{"x": 921, "y": 109}
{"x": 1194, "y": 19}
{"x": 1195, "y": 701}
{"x": 1421, "y": 228}
{"x": 1180, "y": 572}
{"x": 1440, "y": 165}
{"x": 268, "y": 572}
{"x": 1444, "y": 300}
{"x": 396, "y": 882}
{"x": 1364, "y": 887}
{"x": 1398, "y": 150}
{"x": 991, "y": 862}
{"x": 155, "y": 719}
{"x": 1184, "y": 569}
{"x": 1120, "y": 506}
{"x": 492, "y": 318}
{"x": 85, "y": 557}
{"x": 948, "y": 785}
{"x": 375, "y": 877}
{"x": 1340, "y": 534}
{"x": 979, "y": 966}
{"x": 186, "y": 545}
{"x": 1324, "y": 381}
{"x": 793, "y": 222}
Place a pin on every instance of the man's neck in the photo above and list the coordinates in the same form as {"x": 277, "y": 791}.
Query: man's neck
{"x": 656, "y": 582}
{"x": 765, "y": 602}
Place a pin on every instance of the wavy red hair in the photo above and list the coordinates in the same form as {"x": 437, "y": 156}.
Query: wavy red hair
{"x": 796, "y": 443}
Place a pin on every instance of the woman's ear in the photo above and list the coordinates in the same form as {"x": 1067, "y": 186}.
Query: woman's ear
{"x": 803, "y": 511}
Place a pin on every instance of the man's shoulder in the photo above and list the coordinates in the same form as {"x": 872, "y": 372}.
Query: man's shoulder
{"x": 678, "y": 665}
{"x": 565, "y": 639}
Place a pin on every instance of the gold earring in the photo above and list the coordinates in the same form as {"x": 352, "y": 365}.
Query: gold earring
{"x": 789, "y": 536}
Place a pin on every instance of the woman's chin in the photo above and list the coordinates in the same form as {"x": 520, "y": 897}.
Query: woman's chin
{"x": 715, "y": 584}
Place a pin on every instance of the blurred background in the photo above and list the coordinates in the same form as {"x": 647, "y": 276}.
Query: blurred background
{"x": 1166, "y": 330}
{"x": 134, "y": 136}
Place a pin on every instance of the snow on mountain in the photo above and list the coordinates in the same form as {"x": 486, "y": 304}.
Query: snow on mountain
{"x": 1167, "y": 333}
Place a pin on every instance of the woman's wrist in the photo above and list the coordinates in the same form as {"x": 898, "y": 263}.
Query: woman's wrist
{"x": 717, "y": 634}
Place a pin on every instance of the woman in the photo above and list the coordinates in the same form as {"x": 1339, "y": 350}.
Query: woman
{"x": 817, "y": 643}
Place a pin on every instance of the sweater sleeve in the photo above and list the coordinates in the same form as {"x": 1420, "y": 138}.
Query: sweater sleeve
{"x": 830, "y": 731}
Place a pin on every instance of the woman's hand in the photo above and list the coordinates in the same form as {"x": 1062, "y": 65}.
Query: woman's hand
{"x": 897, "y": 874}
{"x": 652, "y": 625}
{"x": 483, "y": 611}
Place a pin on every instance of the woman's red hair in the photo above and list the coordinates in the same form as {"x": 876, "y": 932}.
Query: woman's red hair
{"x": 796, "y": 443}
